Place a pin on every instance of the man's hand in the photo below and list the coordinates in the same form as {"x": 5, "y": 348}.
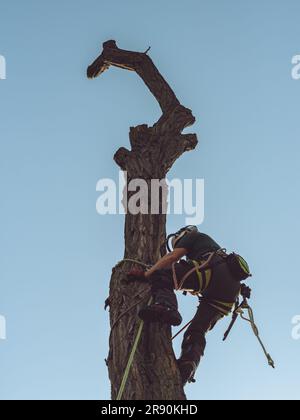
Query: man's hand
{"x": 136, "y": 275}
{"x": 167, "y": 260}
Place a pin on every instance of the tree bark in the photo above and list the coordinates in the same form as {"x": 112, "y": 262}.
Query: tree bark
{"x": 154, "y": 374}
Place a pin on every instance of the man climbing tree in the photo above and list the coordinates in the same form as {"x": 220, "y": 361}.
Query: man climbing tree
{"x": 209, "y": 272}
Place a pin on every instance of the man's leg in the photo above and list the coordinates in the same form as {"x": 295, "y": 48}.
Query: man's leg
{"x": 164, "y": 307}
{"x": 194, "y": 341}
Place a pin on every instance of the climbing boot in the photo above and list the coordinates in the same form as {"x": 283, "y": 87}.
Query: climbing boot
{"x": 187, "y": 371}
{"x": 192, "y": 350}
{"x": 158, "y": 312}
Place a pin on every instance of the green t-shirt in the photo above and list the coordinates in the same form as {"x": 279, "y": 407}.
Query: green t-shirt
{"x": 197, "y": 244}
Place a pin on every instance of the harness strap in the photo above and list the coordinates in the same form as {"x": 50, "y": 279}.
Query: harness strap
{"x": 200, "y": 276}
{"x": 204, "y": 277}
{"x": 224, "y": 307}
{"x": 196, "y": 268}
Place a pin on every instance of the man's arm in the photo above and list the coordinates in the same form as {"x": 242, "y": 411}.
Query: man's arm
{"x": 167, "y": 260}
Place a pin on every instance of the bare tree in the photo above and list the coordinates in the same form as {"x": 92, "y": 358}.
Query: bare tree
{"x": 154, "y": 374}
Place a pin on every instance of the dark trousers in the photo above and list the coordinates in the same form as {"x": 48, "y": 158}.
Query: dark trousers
{"x": 222, "y": 287}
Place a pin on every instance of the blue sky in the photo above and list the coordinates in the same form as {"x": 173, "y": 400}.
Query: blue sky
{"x": 230, "y": 62}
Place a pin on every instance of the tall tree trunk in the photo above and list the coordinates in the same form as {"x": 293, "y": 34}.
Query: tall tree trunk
{"x": 154, "y": 374}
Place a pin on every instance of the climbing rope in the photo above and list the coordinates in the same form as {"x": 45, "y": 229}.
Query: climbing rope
{"x": 129, "y": 309}
{"x": 239, "y": 310}
{"x": 131, "y": 357}
{"x": 133, "y": 261}
{"x": 255, "y": 330}
{"x": 140, "y": 329}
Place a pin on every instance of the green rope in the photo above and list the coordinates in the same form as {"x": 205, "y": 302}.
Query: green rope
{"x": 138, "y": 336}
{"x": 131, "y": 357}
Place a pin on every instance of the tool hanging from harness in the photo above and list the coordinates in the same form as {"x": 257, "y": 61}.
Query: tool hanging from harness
{"x": 246, "y": 294}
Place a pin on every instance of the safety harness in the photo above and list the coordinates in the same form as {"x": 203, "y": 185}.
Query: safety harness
{"x": 204, "y": 268}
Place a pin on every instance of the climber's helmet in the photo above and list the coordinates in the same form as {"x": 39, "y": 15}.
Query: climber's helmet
{"x": 181, "y": 233}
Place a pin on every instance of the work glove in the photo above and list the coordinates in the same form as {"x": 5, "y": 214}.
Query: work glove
{"x": 136, "y": 275}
